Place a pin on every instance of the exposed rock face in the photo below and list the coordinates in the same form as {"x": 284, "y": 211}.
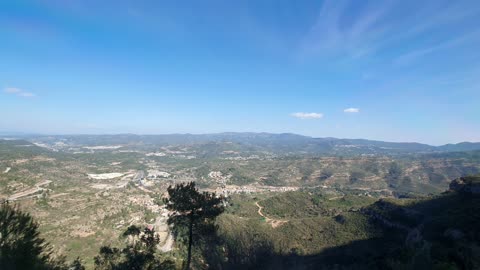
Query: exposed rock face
{"x": 468, "y": 184}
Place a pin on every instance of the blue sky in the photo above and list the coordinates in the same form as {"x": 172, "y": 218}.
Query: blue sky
{"x": 386, "y": 70}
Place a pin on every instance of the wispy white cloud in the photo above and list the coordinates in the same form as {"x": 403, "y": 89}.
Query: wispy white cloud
{"x": 437, "y": 14}
{"x": 305, "y": 115}
{"x": 12, "y": 90}
{"x": 411, "y": 56}
{"x": 18, "y": 92}
{"x": 356, "y": 36}
{"x": 26, "y": 94}
{"x": 352, "y": 110}
{"x": 337, "y": 32}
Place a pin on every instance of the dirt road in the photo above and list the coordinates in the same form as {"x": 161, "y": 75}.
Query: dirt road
{"x": 274, "y": 222}
{"x": 38, "y": 188}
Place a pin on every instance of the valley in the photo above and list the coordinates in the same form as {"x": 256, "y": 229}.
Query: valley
{"x": 85, "y": 191}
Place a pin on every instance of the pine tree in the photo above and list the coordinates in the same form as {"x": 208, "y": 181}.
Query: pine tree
{"x": 192, "y": 209}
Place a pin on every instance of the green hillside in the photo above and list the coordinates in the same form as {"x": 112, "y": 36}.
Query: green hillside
{"x": 352, "y": 232}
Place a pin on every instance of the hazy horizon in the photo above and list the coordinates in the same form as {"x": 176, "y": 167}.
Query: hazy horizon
{"x": 13, "y": 134}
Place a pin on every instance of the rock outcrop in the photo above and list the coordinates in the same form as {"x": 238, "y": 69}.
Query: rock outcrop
{"x": 467, "y": 184}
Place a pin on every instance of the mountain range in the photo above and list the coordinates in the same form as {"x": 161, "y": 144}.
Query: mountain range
{"x": 284, "y": 143}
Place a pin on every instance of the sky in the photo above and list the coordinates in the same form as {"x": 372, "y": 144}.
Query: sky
{"x": 385, "y": 70}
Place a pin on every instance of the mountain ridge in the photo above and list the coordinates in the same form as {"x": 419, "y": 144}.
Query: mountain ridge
{"x": 274, "y": 142}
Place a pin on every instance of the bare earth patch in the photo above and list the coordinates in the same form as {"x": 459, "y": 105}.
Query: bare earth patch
{"x": 101, "y": 186}
{"x": 103, "y": 147}
{"x": 104, "y": 176}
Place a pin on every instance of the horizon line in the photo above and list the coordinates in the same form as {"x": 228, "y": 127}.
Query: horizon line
{"x": 3, "y": 134}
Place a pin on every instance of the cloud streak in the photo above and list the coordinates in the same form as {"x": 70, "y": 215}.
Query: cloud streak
{"x": 305, "y": 115}
{"x": 412, "y": 56}
{"x": 18, "y": 92}
{"x": 352, "y": 110}
{"x": 354, "y": 37}
{"x": 350, "y": 35}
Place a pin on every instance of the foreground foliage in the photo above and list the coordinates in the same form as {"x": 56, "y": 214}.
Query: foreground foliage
{"x": 193, "y": 210}
{"x": 21, "y": 246}
{"x": 317, "y": 231}
{"x": 139, "y": 254}
{"x": 435, "y": 232}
